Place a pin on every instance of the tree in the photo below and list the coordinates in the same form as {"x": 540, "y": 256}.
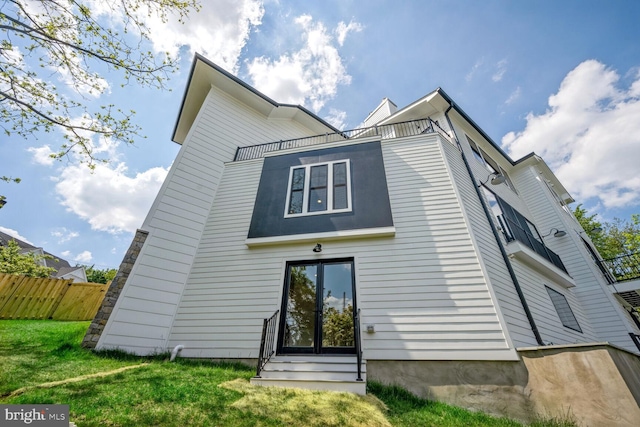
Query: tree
{"x": 3, "y": 199}
{"x": 72, "y": 41}
{"x": 612, "y": 239}
{"x": 337, "y": 329}
{"x": 95, "y": 275}
{"x": 12, "y": 261}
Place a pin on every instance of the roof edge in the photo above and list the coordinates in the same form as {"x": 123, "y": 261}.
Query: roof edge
{"x": 474, "y": 124}
{"x": 200, "y": 58}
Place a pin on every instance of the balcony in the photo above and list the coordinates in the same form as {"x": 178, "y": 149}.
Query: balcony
{"x": 395, "y": 130}
{"x": 623, "y": 273}
{"x": 513, "y": 231}
{"x": 624, "y": 268}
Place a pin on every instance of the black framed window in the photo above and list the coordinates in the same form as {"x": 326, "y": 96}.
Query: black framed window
{"x": 319, "y": 188}
{"x": 516, "y": 226}
{"x": 563, "y": 309}
{"x": 490, "y": 164}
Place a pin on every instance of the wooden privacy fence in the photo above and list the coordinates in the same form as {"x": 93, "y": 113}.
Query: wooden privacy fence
{"x": 23, "y": 297}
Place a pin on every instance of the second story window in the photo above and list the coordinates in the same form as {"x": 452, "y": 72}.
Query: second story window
{"x": 319, "y": 188}
{"x": 489, "y": 163}
{"x": 516, "y": 226}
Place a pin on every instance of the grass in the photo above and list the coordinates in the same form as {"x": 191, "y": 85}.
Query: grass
{"x": 187, "y": 392}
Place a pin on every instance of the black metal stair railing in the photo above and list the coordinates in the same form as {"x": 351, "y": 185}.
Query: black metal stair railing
{"x": 624, "y": 267}
{"x": 358, "y": 343}
{"x": 267, "y": 342}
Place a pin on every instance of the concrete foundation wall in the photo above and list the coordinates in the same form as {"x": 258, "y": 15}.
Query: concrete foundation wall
{"x": 596, "y": 385}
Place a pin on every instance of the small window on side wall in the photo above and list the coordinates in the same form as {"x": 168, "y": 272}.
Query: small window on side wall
{"x": 563, "y": 309}
{"x": 489, "y": 163}
{"x": 319, "y": 188}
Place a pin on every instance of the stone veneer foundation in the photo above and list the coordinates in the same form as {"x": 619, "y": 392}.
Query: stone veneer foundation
{"x": 100, "y": 320}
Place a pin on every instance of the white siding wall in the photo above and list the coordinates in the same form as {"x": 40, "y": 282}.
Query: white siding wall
{"x": 143, "y": 315}
{"x": 590, "y": 298}
{"x": 531, "y": 281}
{"x": 509, "y": 302}
{"x": 424, "y": 289}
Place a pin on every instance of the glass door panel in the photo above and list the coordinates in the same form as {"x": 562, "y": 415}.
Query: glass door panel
{"x": 300, "y": 319}
{"x": 337, "y": 306}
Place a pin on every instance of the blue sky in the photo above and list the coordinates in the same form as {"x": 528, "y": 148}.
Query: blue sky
{"x": 561, "y": 78}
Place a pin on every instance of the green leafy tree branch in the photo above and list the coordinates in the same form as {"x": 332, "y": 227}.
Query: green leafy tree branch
{"x": 611, "y": 239}
{"x": 96, "y": 275}
{"x": 68, "y": 41}
{"x": 13, "y": 261}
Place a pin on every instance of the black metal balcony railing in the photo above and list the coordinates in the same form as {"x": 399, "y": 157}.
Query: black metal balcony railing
{"x": 514, "y": 231}
{"x": 395, "y": 130}
{"x": 624, "y": 268}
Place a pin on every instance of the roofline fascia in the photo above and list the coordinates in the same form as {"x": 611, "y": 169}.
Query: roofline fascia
{"x": 198, "y": 57}
{"x": 474, "y": 124}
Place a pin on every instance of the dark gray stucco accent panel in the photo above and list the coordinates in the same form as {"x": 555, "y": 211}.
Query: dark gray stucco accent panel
{"x": 369, "y": 193}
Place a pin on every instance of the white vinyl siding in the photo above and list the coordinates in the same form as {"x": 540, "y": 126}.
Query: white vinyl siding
{"x": 602, "y": 319}
{"x": 143, "y": 315}
{"x": 423, "y": 289}
{"x": 531, "y": 281}
{"x": 509, "y": 302}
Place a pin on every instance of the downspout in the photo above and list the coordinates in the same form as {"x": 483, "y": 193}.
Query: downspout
{"x": 496, "y": 234}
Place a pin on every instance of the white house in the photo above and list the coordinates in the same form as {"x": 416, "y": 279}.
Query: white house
{"x": 62, "y": 268}
{"x": 465, "y": 266}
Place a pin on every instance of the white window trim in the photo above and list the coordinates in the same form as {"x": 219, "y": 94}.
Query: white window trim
{"x": 307, "y": 179}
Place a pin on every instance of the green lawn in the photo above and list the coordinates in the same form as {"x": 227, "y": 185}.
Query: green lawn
{"x": 188, "y": 393}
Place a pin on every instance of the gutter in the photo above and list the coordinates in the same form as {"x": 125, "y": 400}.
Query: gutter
{"x": 496, "y": 234}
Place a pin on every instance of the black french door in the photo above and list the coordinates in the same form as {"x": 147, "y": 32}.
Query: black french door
{"x": 318, "y": 308}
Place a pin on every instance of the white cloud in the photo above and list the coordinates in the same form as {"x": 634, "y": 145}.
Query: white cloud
{"x": 108, "y": 199}
{"x": 309, "y": 76}
{"x": 501, "y": 68}
{"x": 337, "y": 118}
{"x": 515, "y": 95}
{"x": 590, "y": 135}
{"x": 343, "y": 30}
{"x": 63, "y": 235}
{"x": 474, "y": 69}
{"x": 66, "y": 254}
{"x": 42, "y": 155}
{"x": 14, "y": 233}
{"x": 219, "y": 30}
{"x": 84, "y": 257}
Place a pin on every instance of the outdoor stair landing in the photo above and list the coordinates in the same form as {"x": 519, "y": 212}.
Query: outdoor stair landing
{"x": 334, "y": 373}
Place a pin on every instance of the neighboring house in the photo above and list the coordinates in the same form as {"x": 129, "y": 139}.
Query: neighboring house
{"x": 462, "y": 263}
{"x": 63, "y": 270}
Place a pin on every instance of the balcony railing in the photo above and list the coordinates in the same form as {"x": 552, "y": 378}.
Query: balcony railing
{"x": 395, "y": 130}
{"x": 513, "y": 231}
{"x": 625, "y": 267}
